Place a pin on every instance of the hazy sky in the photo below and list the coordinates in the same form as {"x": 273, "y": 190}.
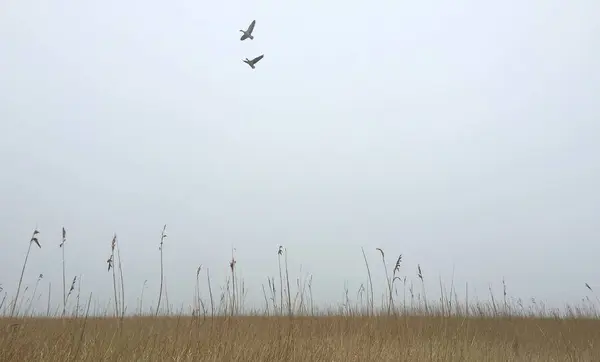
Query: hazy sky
{"x": 462, "y": 134}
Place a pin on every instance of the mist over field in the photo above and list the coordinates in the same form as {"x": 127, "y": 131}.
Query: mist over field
{"x": 461, "y": 135}
{"x": 392, "y": 181}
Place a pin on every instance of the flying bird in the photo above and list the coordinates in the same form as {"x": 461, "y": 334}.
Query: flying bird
{"x": 252, "y": 62}
{"x": 248, "y": 33}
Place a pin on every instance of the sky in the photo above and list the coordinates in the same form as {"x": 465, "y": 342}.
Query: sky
{"x": 462, "y": 135}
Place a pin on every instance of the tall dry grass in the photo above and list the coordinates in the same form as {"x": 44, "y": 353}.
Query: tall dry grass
{"x": 335, "y": 338}
{"x": 34, "y": 239}
{"x": 163, "y": 235}
{"x": 405, "y": 327}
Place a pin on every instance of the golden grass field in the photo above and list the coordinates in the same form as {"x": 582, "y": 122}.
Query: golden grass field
{"x": 327, "y": 338}
{"x": 290, "y": 327}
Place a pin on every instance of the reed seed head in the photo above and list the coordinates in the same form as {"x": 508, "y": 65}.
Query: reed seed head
{"x": 398, "y": 262}
{"x": 34, "y": 239}
{"x": 64, "y": 237}
{"x": 163, "y": 235}
{"x": 73, "y": 285}
{"x": 110, "y": 262}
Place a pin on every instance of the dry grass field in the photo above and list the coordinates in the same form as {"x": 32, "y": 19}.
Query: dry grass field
{"x": 327, "y": 338}
{"x": 400, "y": 326}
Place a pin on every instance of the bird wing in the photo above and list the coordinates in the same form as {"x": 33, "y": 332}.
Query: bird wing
{"x": 251, "y": 27}
{"x": 255, "y": 60}
{"x": 244, "y": 37}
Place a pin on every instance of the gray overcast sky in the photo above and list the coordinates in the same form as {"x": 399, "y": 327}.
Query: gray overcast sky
{"x": 462, "y": 134}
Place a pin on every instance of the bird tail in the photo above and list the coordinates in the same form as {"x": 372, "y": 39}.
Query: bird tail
{"x": 251, "y": 37}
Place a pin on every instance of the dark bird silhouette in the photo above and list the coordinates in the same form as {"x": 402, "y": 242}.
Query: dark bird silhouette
{"x": 252, "y": 62}
{"x": 248, "y": 33}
